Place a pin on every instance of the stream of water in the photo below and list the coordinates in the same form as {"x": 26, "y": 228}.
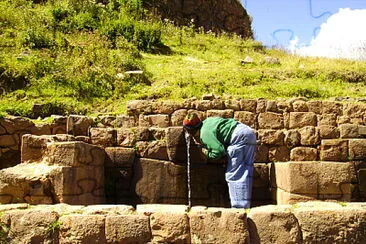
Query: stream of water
{"x": 188, "y": 142}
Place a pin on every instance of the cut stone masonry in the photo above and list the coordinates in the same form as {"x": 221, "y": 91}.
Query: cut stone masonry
{"x": 306, "y": 150}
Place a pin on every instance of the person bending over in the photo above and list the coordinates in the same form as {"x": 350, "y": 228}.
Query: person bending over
{"x": 226, "y": 137}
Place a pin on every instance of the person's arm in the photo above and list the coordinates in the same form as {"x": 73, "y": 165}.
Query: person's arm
{"x": 215, "y": 148}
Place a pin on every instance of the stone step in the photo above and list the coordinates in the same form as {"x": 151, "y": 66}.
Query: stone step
{"x": 311, "y": 222}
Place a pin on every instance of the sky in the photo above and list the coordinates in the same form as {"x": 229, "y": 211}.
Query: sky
{"x": 330, "y": 28}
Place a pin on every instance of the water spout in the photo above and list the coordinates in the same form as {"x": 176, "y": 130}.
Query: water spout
{"x": 188, "y": 142}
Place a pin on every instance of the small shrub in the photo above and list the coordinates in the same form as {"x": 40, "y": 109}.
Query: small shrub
{"x": 54, "y": 227}
{"x": 37, "y": 37}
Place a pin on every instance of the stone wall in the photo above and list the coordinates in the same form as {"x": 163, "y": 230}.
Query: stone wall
{"x": 13, "y": 128}
{"x": 312, "y": 222}
{"x": 306, "y": 150}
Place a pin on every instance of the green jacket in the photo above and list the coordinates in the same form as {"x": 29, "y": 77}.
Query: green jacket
{"x": 215, "y": 135}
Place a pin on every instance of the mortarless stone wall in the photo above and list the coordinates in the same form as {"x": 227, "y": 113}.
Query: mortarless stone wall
{"x": 306, "y": 150}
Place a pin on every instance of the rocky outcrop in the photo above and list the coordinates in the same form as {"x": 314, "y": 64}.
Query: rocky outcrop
{"x": 214, "y": 15}
{"x": 311, "y": 222}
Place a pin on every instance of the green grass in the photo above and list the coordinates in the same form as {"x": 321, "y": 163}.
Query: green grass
{"x": 71, "y": 57}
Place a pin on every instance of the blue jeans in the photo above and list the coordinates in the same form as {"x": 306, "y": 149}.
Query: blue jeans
{"x": 239, "y": 171}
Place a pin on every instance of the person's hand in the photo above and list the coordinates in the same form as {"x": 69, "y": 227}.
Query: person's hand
{"x": 204, "y": 152}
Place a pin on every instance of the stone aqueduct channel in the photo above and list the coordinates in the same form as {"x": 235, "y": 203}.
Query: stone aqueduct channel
{"x": 122, "y": 179}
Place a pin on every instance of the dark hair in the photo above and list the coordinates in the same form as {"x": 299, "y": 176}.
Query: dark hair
{"x": 192, "y": 131}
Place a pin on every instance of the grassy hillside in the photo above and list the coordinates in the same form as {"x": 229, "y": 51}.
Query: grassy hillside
{"x": 76, "y": 57}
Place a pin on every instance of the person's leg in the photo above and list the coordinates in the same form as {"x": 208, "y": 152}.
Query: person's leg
{"x": 239, "y": 172}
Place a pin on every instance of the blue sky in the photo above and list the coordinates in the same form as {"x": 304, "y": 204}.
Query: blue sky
{"x": 276, "y": 22}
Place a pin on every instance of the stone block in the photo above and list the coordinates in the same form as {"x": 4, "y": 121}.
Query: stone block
{"x": 284, "y": 107}
{"x": 2, "y": 130}
{"x": 315, "y": 106}
{"x": 9, "y": 157}
{"x": 28, "y": 226}
{"x": 28, "y": 179}
{"x": 104, "y": 137}
{"x": 176, "y": 144}
{"x": 261, "y": 106}
{"x": 325, "y": 223}
{"x": 105, "y": 121}
{"x": 362, "y": 130}
{"x": 217, "y": 226}
{"x": 328, "y": 132}
{"x": 78, "y": 228}
{"x": 361, "y": 173}
{"x": 203, "y": 105}
{"x": 152, "y": 149}
{"x": 149, "y": 209}
{"x": 270, "y": 120}
{"x": 246, "y": 117}
{"x": 208, "y": 186}
{"x": 330, "y": 107}
{"x": 271, "y": 106}
{"x": 13, "y": 124}
{"x": 8, "y": 141}
{"x": 151, "y": 178}
{"x": 273, "y": 224}
{"x": 249, "y": 105}
{"x": 164, "y": 107}
{"x": 271, "y": 137}
{"x": 300, "y": 106}
{"x": 127, "y": 228}
{"x": 74, "y": 154}
{"x": 292, "y": 138}
{"x": 302, "y": 119}
{"x": 170, "y": 227}
{"x": 357, "y": 149}
{"x": 158, "y": 134}
{"x": 120, "y": 156}
{"x": 178, "y": 116}
{"x": 343, "y": 120}
{"x": 261, "y": 154}
{"x": 261, "y": 175}
{"x": 136, "y": 107}
{"x": 349, "y": 131}
{"x": 103, "y": 209}
{"x": 79, "y": 185}
{"x": 354, "y": 109}
{"x": 309, "y": 136}
{"x": 78, "y": 125}
{"x": 125, "y": 121}
{"x": 227, "y": 113}
{"x": 127, "y": 137}
{"x": 279, "y": 154}
{"x": 232, "y": 104}
{"x": 334, "y": 150}
{"x": 58, "y": 129}
{"x": 304, "y": 154}
{"x": 283, "y": 197}
{"x": 327, "y": 119}
{"x": 314, "y": 178}
{"x": 155, "y": 120}
{"x": 40, "y": 129}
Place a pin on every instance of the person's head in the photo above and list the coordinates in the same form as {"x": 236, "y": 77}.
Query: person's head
{"x": 192, "y": 123}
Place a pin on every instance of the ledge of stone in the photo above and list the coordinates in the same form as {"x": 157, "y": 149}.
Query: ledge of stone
{"x": 310, "y": 222}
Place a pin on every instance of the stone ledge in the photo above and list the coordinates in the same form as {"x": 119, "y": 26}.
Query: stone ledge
{"x": 310, "y": 222}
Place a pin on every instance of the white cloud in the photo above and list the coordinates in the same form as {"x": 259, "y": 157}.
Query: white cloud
{"x": 342, "y": 36}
